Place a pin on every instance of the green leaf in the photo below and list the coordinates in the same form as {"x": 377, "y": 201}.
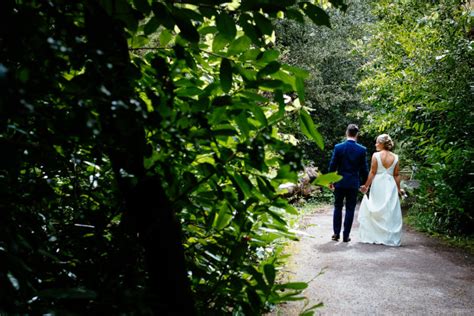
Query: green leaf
{"x": 310, "y": 310}
{"x": 300, "y": 88}
{"x": 303, "y": 74}
{"x": 190, "y": 14}
{"x": 226, "y": 26}
{"x": 249, "y": 29}
{"x": 259, "y": 115}
{"x": 244, "y": 184}
{"x": 222, "y": 131}
{"x": 308, "y": 128}
{"x": 139, "y": 41}
{"x": 165, "y": 37}
{"x": 240, "y": 45}
{"x": 269, "y": 55}
{"x": 243, "y": 124}
{"x": 258, "y": 277}
{"x": 286, "y": 78}
{"x": 143, "y": 6}
{"x": 282, "y": 203}
{"x": 269, "y": 69}
{"x": 219, "y": 42}
{"x": 270, "y": 84}
{"x": 208, "y": 12}
{"x": 326, "y": 179}
{"x": 265, "y": 187}
{"x": 295, "y": 14}
{"x": 253, "y": 96}
{"x": 340, "y": 4}
{"x": 315, "y": 13}
{"x": 188, "y": 91}
{"x": 186, "y": 27}
{"x": 277, "y": 217}
{"x": 263, "y": 24}
{"x": 285, "y": 173}
{"x": 151, "y": 26}
{"x": 269, "y": 271}
{"x": 254, "y": 298}
{"x": 293, "y": 286}
{"x": 163, "y": 15}
{"x": 23, "y": 74}
{"x": 207, "y": 30}
{"x": 223, "y": 218}
{"x": 225, "y": 75}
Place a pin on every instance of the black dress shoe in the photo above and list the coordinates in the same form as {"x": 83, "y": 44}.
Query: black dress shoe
{"x": 346, "y": 239}
{"x": 335, "y": 237}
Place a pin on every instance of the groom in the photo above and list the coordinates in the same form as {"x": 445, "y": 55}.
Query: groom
{"x": 349, "y": 160}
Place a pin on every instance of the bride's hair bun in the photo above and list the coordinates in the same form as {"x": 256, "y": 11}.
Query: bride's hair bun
{"x": 386, "y": 141}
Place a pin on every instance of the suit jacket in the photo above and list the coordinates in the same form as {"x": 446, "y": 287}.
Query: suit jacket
{"x": 349, "y": 160}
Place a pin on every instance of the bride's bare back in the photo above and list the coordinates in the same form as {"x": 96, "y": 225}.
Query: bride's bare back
{"x": 387, "y": 158}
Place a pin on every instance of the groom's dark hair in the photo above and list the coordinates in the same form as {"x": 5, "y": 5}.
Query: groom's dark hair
{"x": 352, "y": 130}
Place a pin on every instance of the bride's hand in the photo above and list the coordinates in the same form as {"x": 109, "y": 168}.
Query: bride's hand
{"x": 402, "y": 193}
{"x": 363, "y": 189}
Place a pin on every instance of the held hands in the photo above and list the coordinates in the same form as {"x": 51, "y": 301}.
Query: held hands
{"x": 402, "y": 193}
{"x": 363, "y": 189}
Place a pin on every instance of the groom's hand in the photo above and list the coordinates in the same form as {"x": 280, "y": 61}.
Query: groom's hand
{"x": 363, "y": 189}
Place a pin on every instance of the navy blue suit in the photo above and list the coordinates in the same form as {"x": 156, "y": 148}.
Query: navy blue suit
{"x": 349, "y": 160}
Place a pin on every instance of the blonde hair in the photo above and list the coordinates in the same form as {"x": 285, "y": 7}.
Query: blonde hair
{"x": 386, "y": 141}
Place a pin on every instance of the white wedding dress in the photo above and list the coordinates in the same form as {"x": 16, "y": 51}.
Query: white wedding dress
{"x": 380, "y": 216}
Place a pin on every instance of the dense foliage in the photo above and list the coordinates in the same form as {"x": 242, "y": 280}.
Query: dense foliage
{"x": 331, "y": 91}
{"x": 141, "y": 155}
{"x": 419, "y": 83}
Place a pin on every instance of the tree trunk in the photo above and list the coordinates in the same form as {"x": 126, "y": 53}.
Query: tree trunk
{"x": 147, "y": 212}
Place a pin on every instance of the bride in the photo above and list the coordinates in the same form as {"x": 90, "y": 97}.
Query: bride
{"x": 380, "y": 216}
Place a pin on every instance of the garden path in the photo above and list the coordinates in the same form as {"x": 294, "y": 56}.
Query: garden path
{"x": 422, "y": 277}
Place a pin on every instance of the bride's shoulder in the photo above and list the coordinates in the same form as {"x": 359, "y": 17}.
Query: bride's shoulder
{"x": 375, "y": 156}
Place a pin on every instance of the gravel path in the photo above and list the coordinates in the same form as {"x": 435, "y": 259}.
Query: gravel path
{"x": 422, "y": 277}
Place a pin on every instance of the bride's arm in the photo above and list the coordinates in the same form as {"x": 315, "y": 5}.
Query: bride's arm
{"x": 373, "y": 171}
{"x": 396, "y": 175}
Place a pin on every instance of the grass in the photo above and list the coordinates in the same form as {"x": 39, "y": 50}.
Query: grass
{"x": 462, "y": 242}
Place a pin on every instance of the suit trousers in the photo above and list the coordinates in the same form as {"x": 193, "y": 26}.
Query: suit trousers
{"x": 350, "y": 197}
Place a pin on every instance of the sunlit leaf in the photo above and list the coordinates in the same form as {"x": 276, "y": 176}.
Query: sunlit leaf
{"x": 327, "y": 179}
{"x": 308, "y": 128}
{"x": 165, "y": 37}
{"x": 219, "y": 42}
{"x": 293, "y": 285}
{"x": 223, "y": 218}
{"x": 240, "y": 45}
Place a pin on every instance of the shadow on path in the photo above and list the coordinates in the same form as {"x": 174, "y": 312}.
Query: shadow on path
{"x": 422, "y": 277}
